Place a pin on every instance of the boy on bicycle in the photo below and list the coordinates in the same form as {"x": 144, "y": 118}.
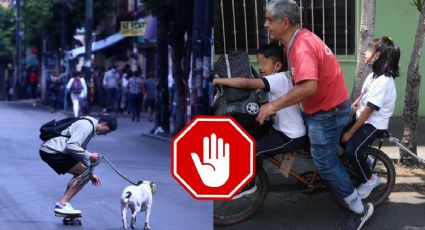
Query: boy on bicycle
{"x": 288, "y": 132}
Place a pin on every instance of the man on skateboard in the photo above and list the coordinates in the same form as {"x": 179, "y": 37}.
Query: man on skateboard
{"x": 67, "y": 154}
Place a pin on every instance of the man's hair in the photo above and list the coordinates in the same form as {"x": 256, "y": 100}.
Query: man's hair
{"x": 387, "y": 63}
{"x": 281, "y": 9}
{"x": 274, "y": 52}
{"x": 110, "y": 121}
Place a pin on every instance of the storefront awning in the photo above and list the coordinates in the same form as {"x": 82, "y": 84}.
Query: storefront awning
{"x": 97, "y": 45}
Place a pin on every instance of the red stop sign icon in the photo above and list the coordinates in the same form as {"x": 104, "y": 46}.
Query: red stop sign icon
{"x": 213, "y": 157}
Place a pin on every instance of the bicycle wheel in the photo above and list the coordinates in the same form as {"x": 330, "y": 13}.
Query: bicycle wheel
{"x": 228, "y": 212}
{"x": 383, "y": 166}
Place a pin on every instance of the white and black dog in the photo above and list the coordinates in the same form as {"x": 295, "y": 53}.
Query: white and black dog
{"x": 139, "y": 199}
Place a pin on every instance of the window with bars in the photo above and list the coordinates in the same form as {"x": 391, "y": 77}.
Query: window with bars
{"x": 239, "y": 24}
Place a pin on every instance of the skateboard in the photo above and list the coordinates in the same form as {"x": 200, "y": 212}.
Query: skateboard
{"x": 70, "y": 219}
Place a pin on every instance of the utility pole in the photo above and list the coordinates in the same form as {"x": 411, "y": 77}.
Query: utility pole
{"x": 88, "y": 38}
{"x": 18, "y": 36}
{"x": 162, "y": 117}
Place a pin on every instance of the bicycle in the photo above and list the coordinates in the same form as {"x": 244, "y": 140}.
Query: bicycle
{"x": 234, "y": 211}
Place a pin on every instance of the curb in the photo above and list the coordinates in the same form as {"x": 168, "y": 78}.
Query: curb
{"x": 157, "y": 137}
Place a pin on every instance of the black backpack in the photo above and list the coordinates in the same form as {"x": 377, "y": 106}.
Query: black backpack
{"x": 54, "y": 128}
{"x": 241, "y": 104}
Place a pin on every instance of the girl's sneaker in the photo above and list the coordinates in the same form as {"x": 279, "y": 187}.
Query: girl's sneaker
{"x": 365, "y": 189}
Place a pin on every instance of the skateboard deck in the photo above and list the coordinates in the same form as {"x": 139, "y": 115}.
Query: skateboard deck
{"x": 70, "y": 219}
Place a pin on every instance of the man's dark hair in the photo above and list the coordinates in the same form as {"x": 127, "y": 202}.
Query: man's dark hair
{"x": 275, "y": 52}
{"x": 110, "y": 121}
{"x": 387, "y": 63}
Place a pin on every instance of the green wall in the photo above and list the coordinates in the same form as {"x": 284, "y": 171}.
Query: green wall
{"x": 397, "y": 19}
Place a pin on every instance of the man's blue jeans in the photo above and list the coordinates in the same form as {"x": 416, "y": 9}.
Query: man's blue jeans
{"x": 324, "y": 131}
{"x": 112, "y": 99}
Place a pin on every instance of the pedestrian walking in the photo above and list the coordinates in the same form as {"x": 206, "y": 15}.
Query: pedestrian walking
{"x": 78, "y": 90}
{"x": 135, "y": 93}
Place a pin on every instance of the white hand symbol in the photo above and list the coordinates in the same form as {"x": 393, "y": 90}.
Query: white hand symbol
{"x": 214, "y": 171}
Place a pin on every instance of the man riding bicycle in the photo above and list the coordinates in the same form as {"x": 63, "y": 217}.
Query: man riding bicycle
{"x": 315, "y": 70}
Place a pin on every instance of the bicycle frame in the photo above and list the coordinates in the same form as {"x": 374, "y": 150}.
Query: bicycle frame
{"x": 398, "y": 143}
{"x": 310, "y": 184}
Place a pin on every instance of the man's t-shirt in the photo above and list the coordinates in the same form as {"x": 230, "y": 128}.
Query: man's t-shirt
{"x": 288, "y": 120}
{"x": 111, "y": 79}
{"x": 311, "y": 59}
{"x": 150, "y": 86}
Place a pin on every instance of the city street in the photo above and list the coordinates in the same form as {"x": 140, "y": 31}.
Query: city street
{"x": 29, "y": 188}
{"x": 297, "y": 211}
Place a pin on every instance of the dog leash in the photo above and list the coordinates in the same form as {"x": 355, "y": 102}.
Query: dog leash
{"x": 116, "y": 170}
{"x": 86, "y": 174}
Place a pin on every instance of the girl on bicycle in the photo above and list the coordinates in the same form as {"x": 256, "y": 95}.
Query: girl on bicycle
{"x": 372, "y": 109}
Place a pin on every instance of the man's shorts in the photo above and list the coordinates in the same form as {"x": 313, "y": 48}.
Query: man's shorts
{"x": 59, "y": 162}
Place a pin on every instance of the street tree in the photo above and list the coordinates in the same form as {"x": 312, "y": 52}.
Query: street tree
{"x": 411, "y": 100}
{"x": 43, "y": 20}
{"x": 367, "y": 29}
{"x": 7, "y": 33}
{"x": 7, "y": 40}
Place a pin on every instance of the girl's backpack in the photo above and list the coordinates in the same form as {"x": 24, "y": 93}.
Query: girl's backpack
{"x": 76, "y": 86}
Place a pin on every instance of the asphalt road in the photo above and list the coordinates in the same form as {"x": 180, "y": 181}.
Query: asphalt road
{"x": 287, "y": 209}
{"x": 29, "y": 188}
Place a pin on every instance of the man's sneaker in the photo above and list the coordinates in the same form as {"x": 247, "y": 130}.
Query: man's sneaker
{"x": 249, "y": 189}
{"x": 365, "y": 189}
{"x": 66, "y": 209}
{"x": 356, "y": 221}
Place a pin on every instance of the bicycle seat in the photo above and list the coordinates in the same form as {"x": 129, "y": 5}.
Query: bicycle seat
{"x": 386, "y": 134}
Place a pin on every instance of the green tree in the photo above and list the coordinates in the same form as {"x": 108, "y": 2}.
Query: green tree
{"x": 7, "y": 32}
{"x": 7, "y": 38}
{"x": 42, "y": 19}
